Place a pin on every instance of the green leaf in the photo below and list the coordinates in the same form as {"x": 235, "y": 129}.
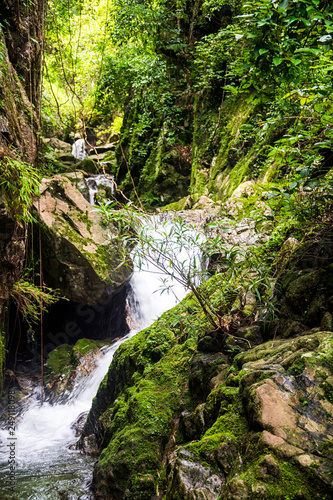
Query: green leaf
{"x": 263, "y": 51}
{"x": 305, "y": 172}
{"x": 284, "y": 4}
{"x": 296, "y": 61}
{"x": 272, "y": 195}
{"x": 277, "y": 61}
{"x": 313, "y": 184}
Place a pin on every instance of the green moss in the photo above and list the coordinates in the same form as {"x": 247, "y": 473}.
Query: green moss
{"x": 286, "y": 482}
{"x": 177, "y": 206}
{"x": 326, "y": 449}
{"x": 297, "y": 367}
{"x": 64, "y": 359}
{"x": 140, "y": 422}
{"x": 328, "y": 390}
{"x": 82, "y": 346}
{"x": 150, "y": 396}
{"x": 60, "y": 361}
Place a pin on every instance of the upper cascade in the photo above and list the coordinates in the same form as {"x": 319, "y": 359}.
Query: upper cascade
{"x": 94, "y": 182}
{"x": 79, "y": 149}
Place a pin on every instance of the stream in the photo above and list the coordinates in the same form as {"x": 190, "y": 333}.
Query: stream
{"x": 36, "y": 459}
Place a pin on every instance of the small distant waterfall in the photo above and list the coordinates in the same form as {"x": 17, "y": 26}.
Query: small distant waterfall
{"x": 79, "y": 149}
{"x": 45, "y": 466}
{"x": 98, "y": 180}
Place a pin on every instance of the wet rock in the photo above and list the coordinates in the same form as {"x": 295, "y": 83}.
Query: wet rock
{"x": 245, "y": 189}
{"x": 250, "y": 303}
{"x": 67, "y": 365}
{"x": 236, "y": 489}
{"x": 79, "y": 422}
{"x": 293, "y": 329}
{"x": 103, "y": 148}
{"x": 27, "y": 384}
{"x": 208, "y": 344}
{"x": 305, "y": 300}
{"x": 326, "y": 324}
{"x": 97, "y": 158}
{"x": 226, "y": 455}
{"x": 59, "y": 147}
{"x": 89, "y": 166}
{"x": 81, "y": 255}
{"x": 285, "y": 253}
{"x": 293, "y": 411}
{"x": 203, "y": 202}
{"x": 203, "y": 368}
{"x": 193, "y": 423}
{"x": 90, "y": 446}
{"x": 191, "y": 480}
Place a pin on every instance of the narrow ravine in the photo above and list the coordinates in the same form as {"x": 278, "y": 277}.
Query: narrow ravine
{"x": 47, "y": 466}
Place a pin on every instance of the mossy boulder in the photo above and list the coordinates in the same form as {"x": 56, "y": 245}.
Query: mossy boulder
{"x": 81, "y": 255}
{"x": 67, "y": 365}
{"x": 305, "y": 288}
{"x": 185, "y": 424}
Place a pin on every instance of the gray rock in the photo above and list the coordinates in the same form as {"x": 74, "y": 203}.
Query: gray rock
{"x": 104, "y": 148}
{"x": 90, "y": 446}
{"x": 79, "y": 422}
{"x": 191, "y": 480}
{"x": 58, "y": 145}
{"x": 81, "y": 255}
{"x": 326, "y": 324}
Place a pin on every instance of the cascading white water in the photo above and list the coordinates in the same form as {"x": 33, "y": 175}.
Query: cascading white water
{"x": 79, "y": 149}
{"x": 44, "y": 433}
{"x": 172, "y": 255}
{"x": 98, "y": 180}
{"x": 45, "y": 428}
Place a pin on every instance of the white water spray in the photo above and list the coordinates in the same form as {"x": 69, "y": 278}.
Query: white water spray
{"x": 79, "y": 149}
{"x": 98, "y": 180}
{"x": 173, "y": 256}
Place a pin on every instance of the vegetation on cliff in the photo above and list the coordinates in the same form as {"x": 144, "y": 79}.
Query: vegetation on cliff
{"x": 176, "y": 416}
{"x": 224, "y": 104}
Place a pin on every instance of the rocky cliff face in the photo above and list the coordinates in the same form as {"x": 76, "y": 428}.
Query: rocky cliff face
{"x": 21, "y": 46}
{"x": 12, "y": 252}
{"x": 81, "y": 254}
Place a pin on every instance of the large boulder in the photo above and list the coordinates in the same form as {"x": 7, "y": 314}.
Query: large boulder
{"x": 68, "y": 365}
{"x": 81, "y": 254}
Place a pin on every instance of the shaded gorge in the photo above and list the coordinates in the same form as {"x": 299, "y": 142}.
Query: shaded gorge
{"x": 39, "y": 459}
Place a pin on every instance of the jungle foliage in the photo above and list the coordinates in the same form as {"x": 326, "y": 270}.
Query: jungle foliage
{"x": 178, "y": 69}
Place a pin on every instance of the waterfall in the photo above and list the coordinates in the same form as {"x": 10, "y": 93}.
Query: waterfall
{"x": 46, "y": 468}
{"x": 173, "y": 256}
{"x": 98, "y": 180}
{"x": 79, "y": 149}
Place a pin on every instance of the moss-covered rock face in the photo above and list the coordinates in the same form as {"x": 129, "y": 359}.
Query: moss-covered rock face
{"x": 176, "y": 423}
{"x": 81, "y": 255}
{"x": 306, "y": 290}
{"x": 67, "y": 365}
{"x": 12, "y": 252}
